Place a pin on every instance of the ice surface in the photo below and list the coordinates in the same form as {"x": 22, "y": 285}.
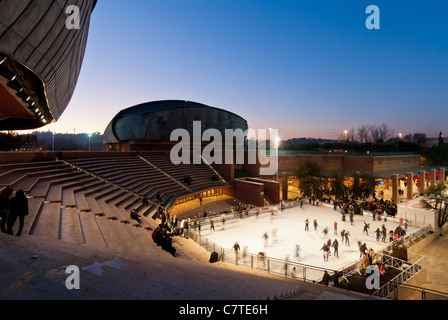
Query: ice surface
{"x": 286, "y": 229}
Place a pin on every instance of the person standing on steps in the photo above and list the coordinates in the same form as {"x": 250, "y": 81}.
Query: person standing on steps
{"x": 18, "y": 209}
{"x": 5, "y": 201}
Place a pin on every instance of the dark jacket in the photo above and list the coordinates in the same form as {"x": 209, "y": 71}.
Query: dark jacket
{"x": 19, "y": 205}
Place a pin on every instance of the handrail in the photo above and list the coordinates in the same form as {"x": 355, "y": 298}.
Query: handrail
{"x": 165, "y": 173}
{"x": 106, "y": 181}
{"x": 216, "y": 172}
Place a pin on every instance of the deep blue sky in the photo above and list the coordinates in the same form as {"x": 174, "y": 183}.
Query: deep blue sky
{"x": 309, "y": 68}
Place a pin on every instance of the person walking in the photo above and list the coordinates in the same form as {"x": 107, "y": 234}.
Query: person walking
{"x": 18, "y": 209}
{"x": 5, "y": 201}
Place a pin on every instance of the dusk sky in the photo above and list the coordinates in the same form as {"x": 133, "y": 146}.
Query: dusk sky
{"x": 309, "y": 68}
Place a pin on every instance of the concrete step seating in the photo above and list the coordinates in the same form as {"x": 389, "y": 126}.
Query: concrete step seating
{"x": 201, "y": 174}
{"x": 115, "y": 171}
{"x": 81, "y": 207}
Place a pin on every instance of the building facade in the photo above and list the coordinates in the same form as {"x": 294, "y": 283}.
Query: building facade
{"x": 40, "y": 59}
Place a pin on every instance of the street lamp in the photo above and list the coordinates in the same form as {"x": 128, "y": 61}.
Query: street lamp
{"x": 52, "y": 143}
{"x": 346, "y": 136}
{"x": 277, "y": 144}
{"x": 89, "y": 134}
{"x": 399, "y": 136}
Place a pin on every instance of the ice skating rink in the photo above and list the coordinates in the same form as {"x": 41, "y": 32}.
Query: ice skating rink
{"x": 286, "y": 229}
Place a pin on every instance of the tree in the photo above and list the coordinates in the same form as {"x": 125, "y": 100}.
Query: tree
{"x": 338, "y": 188}
{"x": 419, "y": 139}
{"x": 363, "y": 134}
{"x": 385, "y": 132}
{"x": 374, "y": 133}
{"x": 363, "y": 185}
{"x": 310, "y": 180}
{"x": 368, "y": 185}
{"x": 436, "y": 198}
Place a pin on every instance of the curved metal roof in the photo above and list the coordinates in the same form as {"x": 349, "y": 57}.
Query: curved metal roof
{"x": 157, "y": 119}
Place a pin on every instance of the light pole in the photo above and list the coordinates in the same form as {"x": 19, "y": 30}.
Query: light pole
{"x": 52, "y": 142}
{"x": 89, "y": 134}
{"x": 277, "y": 144}
{"x": 345, "y": 133}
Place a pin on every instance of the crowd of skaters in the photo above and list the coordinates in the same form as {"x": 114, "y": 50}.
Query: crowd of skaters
{"x": 380, "y": 209}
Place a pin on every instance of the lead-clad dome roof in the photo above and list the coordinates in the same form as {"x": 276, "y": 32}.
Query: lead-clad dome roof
{"x": 155, "y": 121}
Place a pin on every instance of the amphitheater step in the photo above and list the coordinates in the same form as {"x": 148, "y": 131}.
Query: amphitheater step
{"x": 71, "y": 230}
{"x": 46, "y": 223}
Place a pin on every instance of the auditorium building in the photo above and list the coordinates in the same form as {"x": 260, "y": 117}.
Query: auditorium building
{"x": 40, "y": 60}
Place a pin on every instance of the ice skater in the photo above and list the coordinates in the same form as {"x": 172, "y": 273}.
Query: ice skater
{"x": 325, "y": 232}
{"x": 335, "y": 228}
{"x": 266, "y": 238}
{"x": 274, "y": 234}
{"x": 326, "y": 250}
{"x": 261, "y": 260}
{"x": 378, "y": 234}
{"x": 362, "y": 249}
{"x": 342, "y": 235}
{"x": 297, "y": 250}
{"x": 315, "y": 224}
{"x": 335, "y": 246}
{"x": 329, "y": 246}
{"x": 223, "y": 221}
{"x": 307, "y": 223}
{"x": 346, "y": 236}
{"x": 366, "y": 228}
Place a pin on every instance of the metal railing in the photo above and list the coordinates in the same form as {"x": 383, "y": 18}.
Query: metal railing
{"x": 409, "y": 270}
{"x": 418, "y": 293}
{"x": 255, "y": 262}
{"x": 304, "y": 272}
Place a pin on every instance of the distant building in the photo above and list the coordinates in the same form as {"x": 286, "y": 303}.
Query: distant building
{"x": 40, "y": 60}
